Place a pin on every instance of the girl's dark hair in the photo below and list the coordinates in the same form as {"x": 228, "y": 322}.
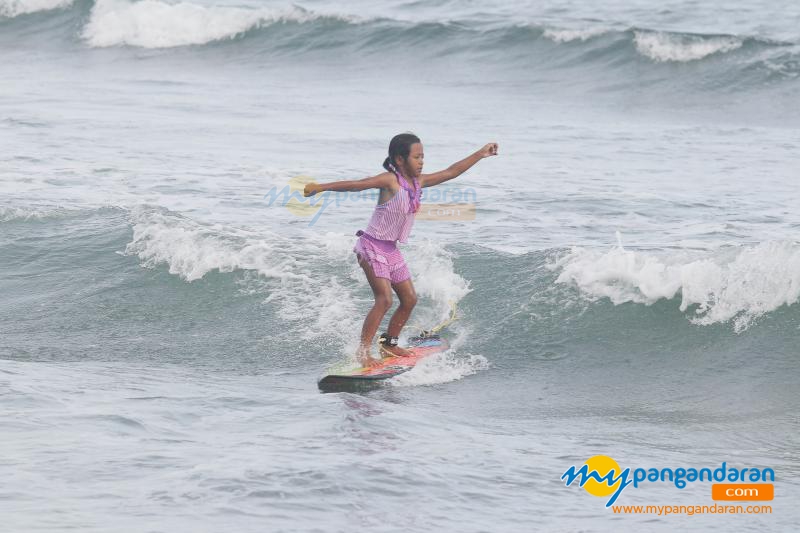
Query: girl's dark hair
{"x": 399, "y": 145}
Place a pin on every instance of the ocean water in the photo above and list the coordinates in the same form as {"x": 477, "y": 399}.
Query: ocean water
{"x": 628, "y": 287}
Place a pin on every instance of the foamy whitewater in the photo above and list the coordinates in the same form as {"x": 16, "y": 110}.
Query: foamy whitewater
{"x": 629, "y": 285}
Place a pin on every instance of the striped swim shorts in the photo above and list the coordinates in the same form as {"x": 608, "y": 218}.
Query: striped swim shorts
{"x": 383, "y": 256}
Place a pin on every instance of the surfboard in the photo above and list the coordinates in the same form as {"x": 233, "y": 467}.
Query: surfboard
{"x": 362, "y": 378}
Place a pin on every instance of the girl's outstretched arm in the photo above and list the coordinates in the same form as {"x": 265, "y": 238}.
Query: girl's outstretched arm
{"x": 381, "y": 180}
{"x": 456, "y": 169}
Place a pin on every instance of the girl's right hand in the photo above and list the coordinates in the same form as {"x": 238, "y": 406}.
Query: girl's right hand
{"x": 311, "y": 189}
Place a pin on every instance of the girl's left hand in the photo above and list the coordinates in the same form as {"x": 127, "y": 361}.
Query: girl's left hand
{"x": 489, "y": 150}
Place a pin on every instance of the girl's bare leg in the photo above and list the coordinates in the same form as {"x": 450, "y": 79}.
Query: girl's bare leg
{"x": 382, "y": 290}
{"x": 408, "y": 299}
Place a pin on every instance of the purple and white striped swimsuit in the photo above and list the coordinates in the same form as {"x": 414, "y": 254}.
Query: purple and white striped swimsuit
{"x": 391, "y": 222}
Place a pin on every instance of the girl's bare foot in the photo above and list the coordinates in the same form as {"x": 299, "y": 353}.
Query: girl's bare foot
{"x": 389, "y": 351}
{"x": 366, "y": 359}
{"x": 369, "y": 362}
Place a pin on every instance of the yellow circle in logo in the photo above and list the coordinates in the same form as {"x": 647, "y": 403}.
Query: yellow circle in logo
{"x": 602, "y": 464}
{"x": 302, "y": 208}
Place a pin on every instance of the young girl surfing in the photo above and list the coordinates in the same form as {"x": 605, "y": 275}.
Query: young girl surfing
{"x": 376, "y": 248}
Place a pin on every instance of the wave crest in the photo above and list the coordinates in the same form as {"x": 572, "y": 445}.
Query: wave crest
{"x": 15, "y": 8}
{"x": 661, "y": 46}
{"x": 160, "y": 24}
{"x": 155, "y": 24}
{"x": 566, "y": 36}
{"x": 738, "y": 284}
{"x": 294, "y": 273}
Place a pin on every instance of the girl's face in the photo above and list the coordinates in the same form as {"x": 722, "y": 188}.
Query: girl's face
{"x": 412, "y": 167}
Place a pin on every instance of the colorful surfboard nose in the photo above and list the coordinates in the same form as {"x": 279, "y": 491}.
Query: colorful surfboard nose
{"x": 362, "y": 378}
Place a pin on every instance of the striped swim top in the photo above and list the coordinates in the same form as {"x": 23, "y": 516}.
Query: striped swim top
{"x": 393, "y": 220}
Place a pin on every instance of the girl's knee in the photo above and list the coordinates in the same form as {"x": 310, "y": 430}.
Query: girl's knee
{"x": 410, "y": 301}
{"x": 383, "y": 301}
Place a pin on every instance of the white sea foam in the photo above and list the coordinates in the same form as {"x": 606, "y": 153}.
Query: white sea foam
{"x": 566, "y": 36}
{"x": 14, "y": 8}
{"x": 42, "y": 212}
{"x": 435, "y": 276}
{"x": 737, "y": 284}
{"x": 285, "y": 267}
{"x": 295, "y": 273}
{"x": 155, "y": 24}
{"x": 661, "y": 46}
{"x": 442, "y": 368}
{"x": 8, "y": 214}
{"x": 451, "y": 365}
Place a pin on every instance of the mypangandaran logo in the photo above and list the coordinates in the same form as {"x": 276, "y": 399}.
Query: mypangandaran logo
{"x": 602, "y": 476}
{"x": 291, "y": 197}
{"x": 296, "y": 203}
